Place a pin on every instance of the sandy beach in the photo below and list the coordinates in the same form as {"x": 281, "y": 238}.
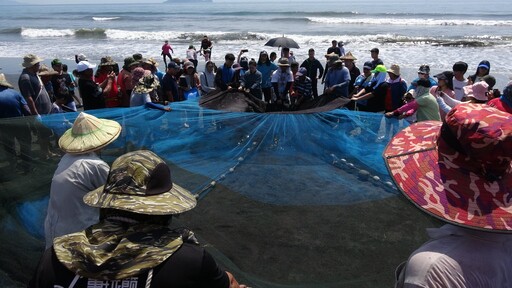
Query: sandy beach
{"x": 266, "y": 245}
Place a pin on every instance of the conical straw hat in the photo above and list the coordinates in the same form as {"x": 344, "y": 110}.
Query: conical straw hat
{"x": 89, "y": 134}
{"x": 4, "y": 82}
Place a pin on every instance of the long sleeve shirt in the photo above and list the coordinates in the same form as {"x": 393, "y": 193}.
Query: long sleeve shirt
{"x": 207, "y": 80}
{"x": 75, "y": 176}
{"x": 253, "y": 82}
{"x": 314, "y": 67}
{"x": 338, "y": 78}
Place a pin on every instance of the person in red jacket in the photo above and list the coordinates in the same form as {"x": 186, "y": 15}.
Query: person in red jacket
{"x": 504, "y": 102}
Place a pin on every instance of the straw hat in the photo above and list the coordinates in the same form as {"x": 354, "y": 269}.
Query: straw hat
{"x": 30, "y": 60}
{"x": 333, "y": 59}
{"x": 395, "y": 69}
{"x": 348, "y": 56}
{"x": 4, "y": 82}
{"x": 46, "y": 71}
{"x": 460, "y": 170}
{"x": 332, "y": 54}
{"x": 140, "y": 182}
{"x": 89, "y": 134}
{"x": 150, "y": 61}
{"x": 283, "y": 62}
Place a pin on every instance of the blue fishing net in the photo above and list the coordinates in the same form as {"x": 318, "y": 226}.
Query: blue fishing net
{"x": 285, "y": 199}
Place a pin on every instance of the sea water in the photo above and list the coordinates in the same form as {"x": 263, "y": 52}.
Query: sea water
{"x": 407, "y": 32}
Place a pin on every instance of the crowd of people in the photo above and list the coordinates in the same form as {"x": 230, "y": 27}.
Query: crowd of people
{"x": 284, "y": 82}
{"x": 461, "y": 156}
{"x": 377, "y": 88}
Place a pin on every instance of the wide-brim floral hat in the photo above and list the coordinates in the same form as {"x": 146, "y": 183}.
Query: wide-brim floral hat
{"x": 458, "y": 170}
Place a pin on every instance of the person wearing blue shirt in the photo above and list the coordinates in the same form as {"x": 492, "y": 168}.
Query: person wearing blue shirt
{"x": 266, "y": 69}
{"x": 12, "y": 104}
{"x": 423, "y": 73}
{"x": 337, "y": 79}
{"x": 225, "y": 73}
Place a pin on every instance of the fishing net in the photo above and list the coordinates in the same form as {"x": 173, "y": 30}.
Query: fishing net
{"x": 285, "y": 199}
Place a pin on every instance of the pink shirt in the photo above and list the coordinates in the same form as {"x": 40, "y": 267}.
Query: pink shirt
{"x": 447, "y": 91}
{"x": 166, "y": 48}
{"x": 408, "y": 109}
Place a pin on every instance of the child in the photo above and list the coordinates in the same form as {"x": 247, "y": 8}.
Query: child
{"x": 59, "y": 106}
{"x": 406, "y": 111}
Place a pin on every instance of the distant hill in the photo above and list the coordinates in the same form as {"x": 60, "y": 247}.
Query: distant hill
{"x": 186, "y": 1}
{"x": 9, "y": 2}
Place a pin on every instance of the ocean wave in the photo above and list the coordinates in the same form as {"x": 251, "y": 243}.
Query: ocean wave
{"x": 91, "y": 33}
{"x": 414, "y": 41}
{"x": 291, "y": 20}
{"x": 253, "y": 37}
{"x": 11, "y": 30}
{"x": 105, "y": 18}
{"x": 184, "y": 36}
{"x": 287, "y": 13}
{"x": 48, "y": 33}
{"x": 43, "y": 33}
{"x": 409, "y": 21}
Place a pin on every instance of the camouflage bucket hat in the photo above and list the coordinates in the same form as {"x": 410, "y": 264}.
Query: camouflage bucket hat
{"x": 107, "y": 61}
{"x": 147, "y": 83}
{"x": 140, "y": 182}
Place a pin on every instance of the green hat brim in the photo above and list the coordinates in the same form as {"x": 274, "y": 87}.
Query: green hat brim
{"x": 175, "y": 201}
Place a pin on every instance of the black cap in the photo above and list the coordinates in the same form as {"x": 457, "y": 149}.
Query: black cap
{"x": 490, "y": 80}
{"x": 172, "y": 65}
{"x": 460, "y": 66}
{"x": 137, "y": 56}
{"x": 445, "y": 75}
{"x": 424, "y": 69}
{"x": 375, "y": 50}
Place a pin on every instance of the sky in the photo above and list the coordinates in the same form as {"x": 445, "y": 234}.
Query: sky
{"x": 39, "y": 2}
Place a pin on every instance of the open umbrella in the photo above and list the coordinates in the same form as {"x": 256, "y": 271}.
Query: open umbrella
{"x": 282, "y": 42}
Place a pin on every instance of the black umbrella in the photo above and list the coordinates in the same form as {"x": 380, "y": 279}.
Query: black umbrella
{"x": 282, "y": 42}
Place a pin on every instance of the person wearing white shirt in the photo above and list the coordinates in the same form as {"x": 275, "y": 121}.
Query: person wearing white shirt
{"x": 459, "y": 81}
{"x": 80, "y": 171}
